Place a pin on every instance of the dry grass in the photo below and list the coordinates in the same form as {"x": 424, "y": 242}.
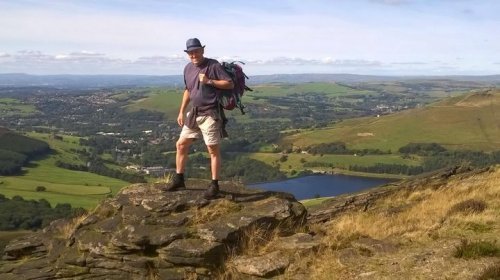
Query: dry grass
{"x": 67, "y": 229}
{"x": 152, "y": 272}
{"x": 491, "y": 273}
{"x": 326, "y": 266}
{"x": 166, "y": 179}
{"x": 424, "y": 211}
{"x": 254, "y": 241}
{"x": 469, "y": 250}
{"x": 214, "y": 210}
{"x": 469, "y": 206}
{"x": 463, "y": 207}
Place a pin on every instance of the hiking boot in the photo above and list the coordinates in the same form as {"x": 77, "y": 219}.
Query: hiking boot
{"x": 212, "y": 191}
{"x": 177, "y": 184}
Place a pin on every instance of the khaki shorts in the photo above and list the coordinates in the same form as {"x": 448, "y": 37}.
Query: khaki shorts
{"x": 208, "y": 128}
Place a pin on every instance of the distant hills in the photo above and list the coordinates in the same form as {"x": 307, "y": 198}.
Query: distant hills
{"x": 469, "y": 121}
{"x": 101, "y": 81}
{"x": 87, "y": 81}
{"x": 352, "y": 78}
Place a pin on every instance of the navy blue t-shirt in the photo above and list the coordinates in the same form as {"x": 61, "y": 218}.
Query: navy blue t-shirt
{"x": 202, "y": 95}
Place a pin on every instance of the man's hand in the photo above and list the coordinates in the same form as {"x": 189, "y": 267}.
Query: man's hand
{"x": 180, "y": 119}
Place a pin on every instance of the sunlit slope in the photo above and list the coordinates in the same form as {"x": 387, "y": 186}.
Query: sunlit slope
{"x": 470, "y": 121}
{"x": 166, "y": 101}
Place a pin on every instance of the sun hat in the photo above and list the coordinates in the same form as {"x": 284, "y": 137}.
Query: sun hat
{"x": 193, "y": 44}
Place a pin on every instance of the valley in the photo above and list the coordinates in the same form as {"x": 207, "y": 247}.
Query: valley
{"x": 104, "y": 139}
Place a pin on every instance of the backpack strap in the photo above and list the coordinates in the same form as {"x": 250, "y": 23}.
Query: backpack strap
{"x": 222, "y": 115}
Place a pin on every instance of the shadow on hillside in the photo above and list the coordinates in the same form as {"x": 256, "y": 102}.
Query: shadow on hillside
{"x": 31, "y": 164}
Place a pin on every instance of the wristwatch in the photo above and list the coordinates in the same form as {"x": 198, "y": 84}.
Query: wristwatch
{"x": 210, "y": 82}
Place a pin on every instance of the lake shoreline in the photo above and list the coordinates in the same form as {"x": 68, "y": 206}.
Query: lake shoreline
{"x": 392, "y": 177}
{"x": 321, "y": 185}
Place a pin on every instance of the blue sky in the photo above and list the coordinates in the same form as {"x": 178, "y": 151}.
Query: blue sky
{"x": 377, "y": 37}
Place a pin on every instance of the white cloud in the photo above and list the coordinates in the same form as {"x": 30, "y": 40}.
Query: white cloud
{"x": 410, "y": 63}
{"x": 88, "y": 62}
{"x": 161, "y": 60}
{"x": 91, "y": 62}
{"x": 288, "y": 35}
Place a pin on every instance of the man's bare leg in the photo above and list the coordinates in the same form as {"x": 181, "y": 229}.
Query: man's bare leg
{"x": 215, "y": 162}
{"x": 181, "y": 158}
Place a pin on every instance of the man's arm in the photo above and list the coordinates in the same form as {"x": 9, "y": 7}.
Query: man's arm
{"x": 182, "y": 110}
{"x": 220, "y": 84}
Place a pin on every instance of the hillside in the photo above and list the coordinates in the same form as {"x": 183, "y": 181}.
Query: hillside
{"x": 80, "y": 189}
{"x": 469, "y": 121}
{"x": 16, "y": 150}
{"x": 439, "y": 226}
{"x": 159, "y": 100}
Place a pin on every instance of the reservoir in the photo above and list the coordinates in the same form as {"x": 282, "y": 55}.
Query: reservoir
{"x": 322, "y": 185}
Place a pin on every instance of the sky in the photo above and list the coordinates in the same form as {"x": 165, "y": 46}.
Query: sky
{"x": 147, "y": 37}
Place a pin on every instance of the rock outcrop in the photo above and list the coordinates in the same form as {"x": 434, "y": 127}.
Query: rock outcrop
{"x": 390, "y": 232}
{"x": 144, "y": 233}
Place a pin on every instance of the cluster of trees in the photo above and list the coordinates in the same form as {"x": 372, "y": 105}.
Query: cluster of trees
{"x": 250, "y": 171}
{"x": 452, "y": 158}
{"x": 340, "y": 148}
{"x": 11, "y": 162}
{"x": 422, "y": 149}
{"x": 98, "y": 167}
{"x": 18, "y": 213}
{"x": 24, "y": 145}
{"x": 239, "y": 168}
{"x": 388, "y": 169}
{"x": 435, "y": 157}
{"x": 16, "y": 150}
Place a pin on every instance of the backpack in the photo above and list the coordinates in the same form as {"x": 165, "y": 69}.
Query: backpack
{"x": 231, "y": 98}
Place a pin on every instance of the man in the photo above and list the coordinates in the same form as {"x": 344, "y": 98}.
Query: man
{"x": 202, "y": 77}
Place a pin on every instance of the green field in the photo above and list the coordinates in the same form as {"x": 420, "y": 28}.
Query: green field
{"x": 305, "y": 88}
{"x": 166, "y": 101}
{"x": 62, "y": 148}
{"x": 80, "y": 189}
{"x": 465, "y": 122}
{"x": 14, "y": 107}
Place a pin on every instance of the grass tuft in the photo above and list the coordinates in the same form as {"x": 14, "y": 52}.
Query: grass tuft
{"x": 214, "y": 210}
{"x": 478, "y": 227}
{"x": 254, "y": 241}
{"x": 491, "y": 273}
{"x": 67, "y": 229}
{"x": 167, "y": 178}
{"x": 469, "y": 206}
{"x": 473, "y": 250}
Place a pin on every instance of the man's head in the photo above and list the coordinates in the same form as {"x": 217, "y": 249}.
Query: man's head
{"x": 195, "y": 50}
